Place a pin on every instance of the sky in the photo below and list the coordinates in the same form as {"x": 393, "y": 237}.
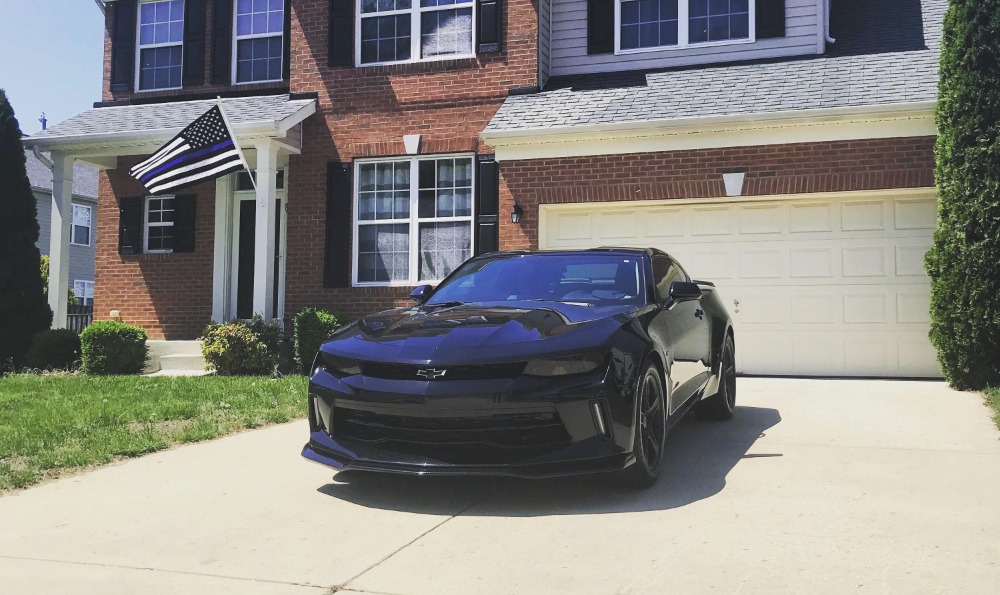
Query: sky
{"x": 51, "y": 55}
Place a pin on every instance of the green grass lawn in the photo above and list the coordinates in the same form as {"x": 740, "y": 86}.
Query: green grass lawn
{"x": 49, "y": 424}
{"x": 993, "y": 399}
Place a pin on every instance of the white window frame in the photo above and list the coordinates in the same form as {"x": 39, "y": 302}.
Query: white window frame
{"x": 683, "y": 32}
{"x": 413, "y": 221}
{"x": 415, "y": 11}
{"x": 83, "y": 298}
{"x": 73, "y": 225}
{"x": 146, "y": 224}
{"x": 237, "y": 38}
{"x": 139, "y": 47}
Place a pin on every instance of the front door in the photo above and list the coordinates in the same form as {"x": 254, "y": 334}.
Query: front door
{"x": 243, "y": 256}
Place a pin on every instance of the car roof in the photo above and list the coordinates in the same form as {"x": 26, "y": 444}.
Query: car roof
{"x": 602, "y": 249}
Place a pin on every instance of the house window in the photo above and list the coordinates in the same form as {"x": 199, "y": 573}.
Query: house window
{"x": 160, "y": 224}
{"x": 414, "y": 30}
{"x": 260, "y": 26}
{"x": 414, "y": 219}
{"x": 161, "y": 44}
{"x": 84, "y": 292}
{"x": 652, "y": 24}
{"x": 81, "y": 225}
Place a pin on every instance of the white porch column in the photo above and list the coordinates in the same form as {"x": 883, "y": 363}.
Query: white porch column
{"x": 62, "y": 223}
{"x": 223, "y": 239}
{"x": 263, "y": 265}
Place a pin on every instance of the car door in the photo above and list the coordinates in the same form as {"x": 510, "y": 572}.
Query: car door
{"x": 683, "y": 329}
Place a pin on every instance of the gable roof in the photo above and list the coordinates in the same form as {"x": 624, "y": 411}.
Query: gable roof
{"x": 40, "y": 176}
{"x": 886, "y": 54}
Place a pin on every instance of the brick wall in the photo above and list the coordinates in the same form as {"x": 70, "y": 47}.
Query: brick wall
{"x": 170, "y": 295}
{"x": 778, "y": 169}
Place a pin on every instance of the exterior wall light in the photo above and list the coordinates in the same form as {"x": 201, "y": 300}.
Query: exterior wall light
{"x": 515, "y": 214}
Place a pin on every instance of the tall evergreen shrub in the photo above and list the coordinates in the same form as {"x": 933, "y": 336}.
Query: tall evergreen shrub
{"x": 24, "y": 310}
{"x": 964, "y": 262}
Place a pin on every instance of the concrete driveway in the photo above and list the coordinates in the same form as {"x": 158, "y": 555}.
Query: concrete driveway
{"x": 816, "y": 486}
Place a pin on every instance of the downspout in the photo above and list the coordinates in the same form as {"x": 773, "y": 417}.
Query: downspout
{"x": 45, "y": 160}
{"x": 826, "y": 21}
{"x": 100, "y": 4}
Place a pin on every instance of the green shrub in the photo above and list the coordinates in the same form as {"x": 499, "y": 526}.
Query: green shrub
{"x": 111, "y": 347}
{"x": 312, "y": 327}
{"x": 71, "y": 298}
{"x": 242, "y": 348}
{"x": 55, "y": 349}
{"x": 964, "y": 261}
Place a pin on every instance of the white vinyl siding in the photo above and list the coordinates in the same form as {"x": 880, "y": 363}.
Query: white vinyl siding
{"x": 568, "y": 43}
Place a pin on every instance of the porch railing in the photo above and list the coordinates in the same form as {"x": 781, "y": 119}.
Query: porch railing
{"x": 79, "y": 317}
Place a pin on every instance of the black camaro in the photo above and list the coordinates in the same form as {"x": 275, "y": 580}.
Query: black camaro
{"x": 529, "y": 364}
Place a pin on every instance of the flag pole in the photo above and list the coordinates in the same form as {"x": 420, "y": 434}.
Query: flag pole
{"x": 218, "y": 100}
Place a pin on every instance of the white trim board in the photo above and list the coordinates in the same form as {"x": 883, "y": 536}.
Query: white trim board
{"x": 780, "y": 128}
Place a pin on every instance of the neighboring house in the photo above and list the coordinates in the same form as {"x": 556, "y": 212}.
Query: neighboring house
{"x": 83, "y": 232}
{"x": 394, "y": 139}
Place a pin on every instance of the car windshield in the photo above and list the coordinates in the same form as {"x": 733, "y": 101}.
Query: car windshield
{"x": 587, "y": 277}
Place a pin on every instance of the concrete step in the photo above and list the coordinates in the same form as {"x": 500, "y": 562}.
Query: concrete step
{"x": 180, "y": 373}
{"x": 182, "y": 362}
{"x": 161, "y": 348}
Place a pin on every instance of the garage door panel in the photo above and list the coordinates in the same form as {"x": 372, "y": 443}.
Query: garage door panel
{"x": 827, "y": 285}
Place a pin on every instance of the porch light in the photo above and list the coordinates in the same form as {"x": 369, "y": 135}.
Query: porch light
{"x": 515, "y": 215}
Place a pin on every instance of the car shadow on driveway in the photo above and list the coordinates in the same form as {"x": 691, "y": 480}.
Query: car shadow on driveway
{"x": 699, "y": 456}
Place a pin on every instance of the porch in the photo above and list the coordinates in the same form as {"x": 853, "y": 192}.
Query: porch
{"x": 239, "y": 247}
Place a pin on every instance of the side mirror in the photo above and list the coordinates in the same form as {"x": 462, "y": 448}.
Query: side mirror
{"x": 682, "y": 291}
{"x": 419, "y": 294}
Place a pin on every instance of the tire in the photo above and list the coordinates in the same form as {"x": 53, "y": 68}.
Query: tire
{"x": 722, "y": 405}
{"x": 650, "y": 430}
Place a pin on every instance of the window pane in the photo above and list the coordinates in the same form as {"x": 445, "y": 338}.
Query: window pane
{"x": 446, "y": 32}
{"x": 81, "y": 215}
{"x": 159, "y": 68}
{"x": 718, "y": 20}
{"x": 443, "y": 246}
{"x": 258, "y": 59}
{"x": 648, "y": 23}
{"x": 81, "y": 235}
{"x": 386, "y": 253}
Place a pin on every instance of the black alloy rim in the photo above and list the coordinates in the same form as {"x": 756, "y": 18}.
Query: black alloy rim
{"x": 729, "y": 376}
{"x": 652, "y": 424}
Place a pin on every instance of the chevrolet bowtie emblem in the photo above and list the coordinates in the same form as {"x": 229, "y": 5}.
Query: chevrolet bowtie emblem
{"x": 431, "y": 373}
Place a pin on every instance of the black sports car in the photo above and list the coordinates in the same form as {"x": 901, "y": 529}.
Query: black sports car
{"x": 528, "y": 364}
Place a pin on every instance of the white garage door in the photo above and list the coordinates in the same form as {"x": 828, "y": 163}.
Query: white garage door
{"x": 824, "y": 285}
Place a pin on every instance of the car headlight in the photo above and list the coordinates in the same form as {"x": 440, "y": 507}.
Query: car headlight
{"x": 338, "y": 366}
{"x": 564, "y": 366}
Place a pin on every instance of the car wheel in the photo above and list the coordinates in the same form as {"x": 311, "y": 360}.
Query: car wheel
{"x": 722, "y": 405}
{"x": 650, "y": 430}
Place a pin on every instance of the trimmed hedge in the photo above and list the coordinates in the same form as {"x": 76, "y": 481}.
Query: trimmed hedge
{"x": 242, "y": 348}
{"x": 112, "y": 347}
{"x": 964, "y": 261}
{"x": 54, "y": 349}
{"x": 312, "y": 327}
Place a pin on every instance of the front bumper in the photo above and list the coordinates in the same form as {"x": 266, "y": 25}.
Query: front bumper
{"x": 525, "y": 427}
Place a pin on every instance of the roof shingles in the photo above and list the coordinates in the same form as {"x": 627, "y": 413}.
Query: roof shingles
{"x": 886, "y": 53}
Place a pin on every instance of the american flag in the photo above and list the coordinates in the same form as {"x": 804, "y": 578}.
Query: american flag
{"x": 204, "y": 150}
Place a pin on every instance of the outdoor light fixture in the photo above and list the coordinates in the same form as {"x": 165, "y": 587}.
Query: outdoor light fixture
{"x": 515, "y": 215}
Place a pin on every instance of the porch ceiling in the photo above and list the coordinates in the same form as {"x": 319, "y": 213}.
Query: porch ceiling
{"x": 108, "y": 132}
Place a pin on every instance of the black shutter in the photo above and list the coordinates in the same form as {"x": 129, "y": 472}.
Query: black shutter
{"x": 340, "y": 33}
{"x": 222, "y": 42}
{"x": 123, "y": 45}
{"x": 770, "y": 18}
{"x": 130, "y": 213}
{"x": 184, "y": 222}
{"x": 600, "y": 26}
{"x": 487, "y": 205}
{"x": 286, "y": 67}
{"x": 194, "y": 43}
{"x": 339, "y": 200}
{"x": 490, "y": 22}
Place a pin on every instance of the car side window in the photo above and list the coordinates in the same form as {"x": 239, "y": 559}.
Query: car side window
{"x": 665, "y": 272}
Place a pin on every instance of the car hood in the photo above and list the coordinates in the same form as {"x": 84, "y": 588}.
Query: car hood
{"x": 478, "y": 333}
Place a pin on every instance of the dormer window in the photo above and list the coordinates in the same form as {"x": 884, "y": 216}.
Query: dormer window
{"x": 413, "y": 30}
{"x": 667, "y": 24}
{"x": 259, "y": 46}
{"x": 161, "y": 44}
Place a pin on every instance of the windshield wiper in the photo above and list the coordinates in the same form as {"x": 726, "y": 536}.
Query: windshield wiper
{"x": 449, "y": 304}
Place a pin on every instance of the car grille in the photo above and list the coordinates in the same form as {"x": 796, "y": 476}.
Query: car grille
{"x": 472, "y": 372}
{"x": 458, "y": 440}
